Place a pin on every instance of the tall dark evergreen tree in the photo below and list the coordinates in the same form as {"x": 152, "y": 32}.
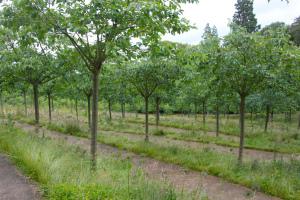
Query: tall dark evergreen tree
{"x": 244, "y": 15}
{"x": 295, "y": 31}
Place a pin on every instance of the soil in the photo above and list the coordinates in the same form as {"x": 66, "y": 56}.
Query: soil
{"x": 214, "y": 187}
{"x": 13, "y": 185}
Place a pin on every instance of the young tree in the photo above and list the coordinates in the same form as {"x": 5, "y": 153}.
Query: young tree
{"x": 167, "y": 51}
{"x": 109, "y": 86}
{"x": 28, "y": 66}
{"x": 243, "y": 71}
{"x": 276, "y": 43}
{"x": 213, "y": 51}
{"x": 147, "y": 76}
{"x": 49, "y": 88}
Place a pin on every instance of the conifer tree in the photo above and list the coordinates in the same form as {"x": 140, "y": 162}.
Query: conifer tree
{"x": 244, "y": 15}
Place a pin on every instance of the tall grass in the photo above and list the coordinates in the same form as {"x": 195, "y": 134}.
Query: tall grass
{"x": 64, "y": 171}
{"x": 278, "y": 178}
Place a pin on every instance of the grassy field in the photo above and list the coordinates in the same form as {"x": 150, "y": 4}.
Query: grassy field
{"x": 279, "y": 178}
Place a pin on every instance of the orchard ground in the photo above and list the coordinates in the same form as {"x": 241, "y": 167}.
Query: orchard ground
{"x": 182, "y": 140}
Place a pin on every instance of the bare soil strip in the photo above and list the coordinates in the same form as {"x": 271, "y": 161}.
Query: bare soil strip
{"x": 215, "y": 188}
{"x": 13, "y": 185}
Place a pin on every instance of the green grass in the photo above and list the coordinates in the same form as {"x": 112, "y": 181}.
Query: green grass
{"x": 64, "y": 172}
{"x": 280, "y": 140}
{"x": 288, "y": 143}
{"x": 278, "y": 178}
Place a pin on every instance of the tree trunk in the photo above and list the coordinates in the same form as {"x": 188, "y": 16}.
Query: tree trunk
{"x": 94, "y": 118}
{"x": 272, "y": 115}
{"x": 1, "y": 105}
{"x": 267, "y": 117}
{"x": 36, "y": 103}
{"x": 49, "y": 107}
{"x": 242, "y": 126}
{"x": 52, "y": 104}
{"x": 89, "y": 109}
{"x": 146, "y": 120}
{"x": 251, "y": 118}
{"x": 204, "y": 113}
{"x": 123, "y": 109}
{"x": 217, "y": 121}
{"x": 195, "y": 111}
{"x": 109, "y": 109}
{"x": 228, "y": 113}
{"x": 71, "y": 105}
{"x": 76, "y": 108}
{"x": 299, "y": 121}
{"x": 25, "y": 102}
{"x": 157, "y": 101}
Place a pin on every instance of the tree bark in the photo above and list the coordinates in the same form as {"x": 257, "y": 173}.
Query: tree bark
{"x": 89, "y": 109}
{"x": 299, "y": 121}
{"x": 1, "y": 104}
{"x": 94, "y": 118}
{"x": 109, "y": 109}
{"x": 123, "y": 109}
{"x": 217, "y": 121}
{"x": 49, "y": 106}
{"x": 76, "y": 108}
{"x": 36, "y": 103}
{"x": 71, "y": 105}
{"x": 242, "y": 126}
{"x": 195, "y": 107}
{"x": 52, "y": 104}
{"x": 146, "y": 120}
{"x": 25, "y": 102}
{"x": 157, "y": 101}
{"x": 228, "y": 112}
{"x": 251, "y": 118}
{"x": 204, "y": 113}
{"x": 272, "y": 115}
{"x": 267, "y": 117}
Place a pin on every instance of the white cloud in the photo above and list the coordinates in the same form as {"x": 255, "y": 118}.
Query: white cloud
{"x": 219, "y": 12}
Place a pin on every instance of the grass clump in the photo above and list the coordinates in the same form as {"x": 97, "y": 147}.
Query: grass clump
{"x": 159, "y": 132}
{"x": 72, "y": 128}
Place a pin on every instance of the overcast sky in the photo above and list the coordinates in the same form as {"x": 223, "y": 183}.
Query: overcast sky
{"x": 220, "y": 12}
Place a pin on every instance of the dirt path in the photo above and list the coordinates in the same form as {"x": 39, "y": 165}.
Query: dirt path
{"x": 214, "y": 187}
{"x": 249, "y": 154}
{"x": 13, "y": 185}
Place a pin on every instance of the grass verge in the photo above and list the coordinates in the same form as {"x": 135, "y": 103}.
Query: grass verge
{"x": 278, "y": 178}
{"x": 63, "y": 171}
